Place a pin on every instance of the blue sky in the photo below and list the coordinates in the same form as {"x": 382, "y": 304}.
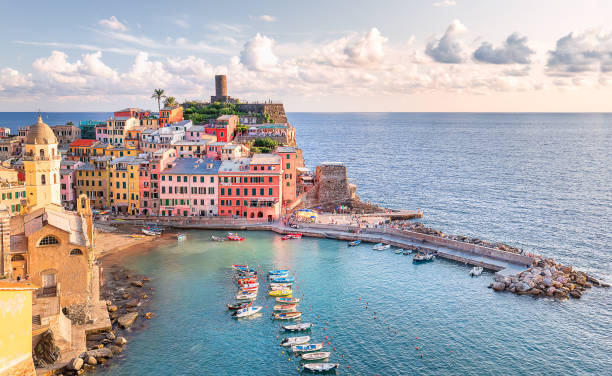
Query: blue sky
{"x": 436, "y": 55}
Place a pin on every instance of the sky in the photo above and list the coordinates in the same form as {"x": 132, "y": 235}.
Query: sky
{"x": 386, "y": 55}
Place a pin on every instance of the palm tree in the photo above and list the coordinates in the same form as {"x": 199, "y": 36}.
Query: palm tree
{"x": 170, "y": 101}
{"x": 158, "y": 94}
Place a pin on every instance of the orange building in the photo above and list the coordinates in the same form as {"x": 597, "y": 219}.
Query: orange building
{"x": 169, "y": 115}
{"x": 80, "y": 150}
{"x": 288, "y": 155}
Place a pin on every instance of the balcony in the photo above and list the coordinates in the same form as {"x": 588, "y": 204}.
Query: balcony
{"x": 29, "y": 157}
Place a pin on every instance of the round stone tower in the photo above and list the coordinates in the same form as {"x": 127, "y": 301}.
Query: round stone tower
{"x": 220, "y": 85}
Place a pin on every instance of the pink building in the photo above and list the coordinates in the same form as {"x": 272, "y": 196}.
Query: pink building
{"x": 67, "y": 191}
{"x": 213, "y": 150}
{"x": 150, "y": 173}
{"x": 198, "y": 132}
{"x": 189, "y": 188}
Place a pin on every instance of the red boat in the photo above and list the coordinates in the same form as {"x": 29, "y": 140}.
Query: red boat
{"x": 247, "y": 280}
{"x": 249, "y": 289}
{"x": 234, "y": 237}
{"x": 292, "y": 236}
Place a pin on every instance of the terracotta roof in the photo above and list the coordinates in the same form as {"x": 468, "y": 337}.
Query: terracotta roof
{"x": 82, "y": 142}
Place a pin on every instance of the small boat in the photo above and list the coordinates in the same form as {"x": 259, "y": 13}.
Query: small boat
{"x": 285, "y": 307}
{"x": 407, "y": 252}
{"x": 423, "y": 257}
{"x": 236, "y": 306}
{"x": 246, "y": 286}
{"x": 217, "y": 239}
{"x": 180, "y": 237}
{"x": 291, "y": 341}
{"x": 280, "y": 292}
{"x": 239, "y": 267}
{"x": 292, "y": 236}
{"x": 249, "y": 289}
{"x": 149, "y": 232}
{"x": 280, "y": 286}
{"x": 320, "y": 367}
{"x": 307, "y": 347}
{"x": 287, "y": 315}
{"x": 398, "y": 251}
{"x": 138, "y": 236}
{"x": 282, "y": 280}
{"x": 244, "y": 281}
{"x": 354, "y": 243}
{"x": 278, "y": 272}
{"x": 316, "y": 355}
{"x": 248, "y": 311}
{"x": 288, "y": 300}
{"x": 381, "y": 247}
{"x": 246, "y": 296}
{"x": 234, "y": 237}
{"x": 476, "y": 271}
{"x": 271, "y": 277}
{"x": 301, "y": 327}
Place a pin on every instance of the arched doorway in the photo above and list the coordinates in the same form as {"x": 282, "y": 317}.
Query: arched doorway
{"x": 259, "y": 215}
{"x": 18, "y": 263}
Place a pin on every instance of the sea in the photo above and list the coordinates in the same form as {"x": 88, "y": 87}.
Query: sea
{"x": 538, "y": 181}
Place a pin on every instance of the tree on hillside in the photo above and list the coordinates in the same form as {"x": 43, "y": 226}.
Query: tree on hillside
{"x": 170, "y": 101}
{"x": 158, "y": 94}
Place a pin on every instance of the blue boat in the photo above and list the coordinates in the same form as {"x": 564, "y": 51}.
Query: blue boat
{"x": 278, "y": 272}
{"x": 283, "y": 280}
{"x": 354, "y": 243}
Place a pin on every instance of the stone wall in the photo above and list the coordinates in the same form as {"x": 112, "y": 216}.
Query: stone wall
{"x": 333, "y": 185}
{"x": 275, "y": 110}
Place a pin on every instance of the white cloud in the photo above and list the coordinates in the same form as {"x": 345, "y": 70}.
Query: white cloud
{"x": 366, "y": 50}
{"x": 267, "y": 18}
{"x": 514, "y": 51}
{"x": 582, "y": 53}
{"x": 445, "y": 3}
{"x": 448, "y": 48}
{"x": 11, "y": 78}
{"x": 181, "y": 22}
{"x": 257, "y": 53}
{"x": 113, "y": 24}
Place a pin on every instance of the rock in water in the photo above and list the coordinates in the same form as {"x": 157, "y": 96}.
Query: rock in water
{"x": 120, "y": 341}
{"x": 112, "y": 308}
{"x": 75, "y": 364}
{"x": 499, "y": 286}
{"x": 91, "y": 360}
{"x": 100, "y": 353}
{"x": 125, "y": 321}
{"x": 131, "y": 303}
{"x": 523, "y": 286}
{"x": 137, "y": 283}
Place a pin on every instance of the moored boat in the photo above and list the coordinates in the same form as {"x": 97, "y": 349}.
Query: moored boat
{"x": 476, "y": 271}
{"x": 280, "y": 286}
{"x": 248, "y": 311}
{"x": 232, "y": 236}
{"x": 354, "y": 243}
{"x": 149, "y": 232}
{"x": 320, "y": 355}
{"x": 285, "y": 307}
{"x": 423, "y": 257}
{"x": 292, "y": 236}
{"x": 298, "y": 327}
{"x": 282, "y": 280}
{"x": 244, "y": 281}
{"x": 278, "y": 272}
{"x": 291, "y": 341}
{"x": 249, "y": 289}
{"x": 288, "y": 300}
{"x": 236, "y": 306}
{"x": 246, "y": 286}
{"x": 246, "y": 296}
{"x": 398, "y": 251}
{"x": 320, "y": 367}
{"x": 381, "y": 247}
{"x": 287, "y": 315}
{"x": 307, "y": 347}
{"x": 280, "y": 292}
{"x": 407, "y": 252}
{"x": 217, "y": 239}
{"x": 180, "y": 237}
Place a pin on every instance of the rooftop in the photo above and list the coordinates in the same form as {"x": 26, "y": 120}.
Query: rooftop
{"x": 265, "y": 159}
{"x": 285, "y": 149}
{"x": 236, "y": 165}
{"x": 226, "y": 117}
{"x": 130, "y": 159}
{"x": 194, "y": 166}
{"x": 82, "y": 142}
{"x": 168, "y": 108}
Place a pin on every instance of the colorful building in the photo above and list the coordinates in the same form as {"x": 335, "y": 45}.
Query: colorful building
{"x": 80, "y": 150}
{"x": 189, "y": 188}
{"x": 138, "y": 113}
{"x": 251, "y": 188}
{"x": 191, "y": 149}
{"x": 234, "y": 151}
{"x": 169, "y": 115}
{"x": 114, "y": 131}
{"x": 66, "y": 134}
{"x": 92, "y": 180}
{"x": 88, "y": 128}
{"x": 67, "y": 183}
{"x": 198, "y": 132}
{"x": 150, "y": 176}
{"x": 213, "y": 150}
{"x": 224, "y": 127}
{"x": 289, "y": 161}
{"x": 13, "y": 194}
{"x": 124, "y": 184}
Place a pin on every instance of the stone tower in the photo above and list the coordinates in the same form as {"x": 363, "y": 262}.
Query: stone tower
{"x": 41, "y": 162}
{"x": 221, "y": 85}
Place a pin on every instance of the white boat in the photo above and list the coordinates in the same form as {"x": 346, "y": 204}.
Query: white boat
{"x": 381, "y": 247}
{"x": 307, "y": 347}
{"x": 398, "y": 251}
{"x": 150, "y": 232}
{"x": 280, "y": 286}
{"x": 298, "y": 327}
{"x": 316, "y": 355}
{"x": 217, "y": 239}
{"x": 476, "y": 271}
{"x": 246, "y": 286}
{"x": 320, "y": 367}
{"x": 244, "y": 312}
{"x": 285, "y": 307}
{"x": 180, "y": 237}
{"x": 282, "y": 275}
{"x": 290, "y": 341}
{"x": 247, "y": 296}
{"x": 288, "y": 300}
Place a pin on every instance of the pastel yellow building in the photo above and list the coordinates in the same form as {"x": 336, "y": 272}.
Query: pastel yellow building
{"x": 125, "y": 184}
{"x": 92, "y": 180}
{"x": 16, "y": 328}
{"x": 11, "y": 195}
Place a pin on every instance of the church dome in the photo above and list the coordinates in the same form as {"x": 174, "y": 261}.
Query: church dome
{"x": 40, "y": 133}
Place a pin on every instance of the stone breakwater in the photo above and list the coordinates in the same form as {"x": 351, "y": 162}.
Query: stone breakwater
{"x": 127, "y": 298}
{"x": 548, "y": 279}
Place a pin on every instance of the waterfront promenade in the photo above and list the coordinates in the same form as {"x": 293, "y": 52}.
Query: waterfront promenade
{"x": 504, "y": 263}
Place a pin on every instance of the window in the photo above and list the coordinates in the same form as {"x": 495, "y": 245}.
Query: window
{"x": 43, "y": 179}
{"x": 270, "y": 179}
{"x": 48, "y": 240}
{"x": 253, "y": 191}
{"x": 222, "y": 191}
{"x": 76, "y": 252}
{"x": 288, "y": 184}
{"x": 269, "y": 191}
{"x": 261, "y": 191}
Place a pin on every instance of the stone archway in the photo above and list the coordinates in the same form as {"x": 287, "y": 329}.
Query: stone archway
{"x": 18, "y": 264}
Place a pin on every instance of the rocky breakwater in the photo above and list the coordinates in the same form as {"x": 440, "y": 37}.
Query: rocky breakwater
{"x": 128, "y": 297}
{"x": 548, "y": 279}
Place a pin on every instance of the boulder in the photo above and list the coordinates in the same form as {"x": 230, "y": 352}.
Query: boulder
{"x": 149, "y": 315}
{"x": 112, "y": 308}
{"x": 146, "y": 279}
{"x": 120, "y": 341}
{"x": 111, "y": 336}
{"x": 535, "y": 292}
{"x": 91, "y": 360}
{"x": 116, "y": 349}
{"x": 498, "y": 286}
{"x": 547, "y": 281}
{"x": 137, "y": 283}
{"x": 550, "y": 291}
{"x": 575, "y": 294}
{"x": 75, "y": 364}
{"x": 131, "y": 303}
{"x": 523, "y": 286}
{"x": 125, "y": 295}
{"x": 100, "y": 353}
{"x": 125, "y": 321}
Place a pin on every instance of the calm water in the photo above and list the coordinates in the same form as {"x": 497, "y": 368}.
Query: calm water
{"x": 542, "y": 182}
{"x": 462, "y": 327}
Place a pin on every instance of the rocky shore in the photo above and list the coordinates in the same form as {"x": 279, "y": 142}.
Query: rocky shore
{"x": 548, "y": 279}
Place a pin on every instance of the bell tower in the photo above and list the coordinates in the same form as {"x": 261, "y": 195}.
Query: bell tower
{"x": 41, "y": 162}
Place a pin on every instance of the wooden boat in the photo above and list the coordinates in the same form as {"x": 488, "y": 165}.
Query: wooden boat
{"x": 245, "y": 312}
{"x": 301, "y": 327}
{"x": 423, "y": 257}
{"x": 398, "y": 251}
{"x": 291, "y": 341}
{"x": 217, "y": 239}
{"x": 180, "y": 237}
{"x": 239, "y": 267}
{"x": 234, "y": 237}
{"x": 316, "y": 355}
{"x": 320, "y": 367}
{"x": 278, "y": 272}
{"x": 236, "y": 306}
{"x": 282, "y": 280}
{"x": 307, "y": 347}
{"x": 476, "y": 271}
{"x": 280, "y": 292}
{"x": 288, "y": 300}
{"x": 246, "y": 296}
{"x": 285, "y": 307}
{"x": 287, "y": 315}
{"x": 354, "y": 243}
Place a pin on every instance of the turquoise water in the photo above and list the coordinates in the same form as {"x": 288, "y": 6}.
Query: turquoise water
{"x": 462, "y": 327}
